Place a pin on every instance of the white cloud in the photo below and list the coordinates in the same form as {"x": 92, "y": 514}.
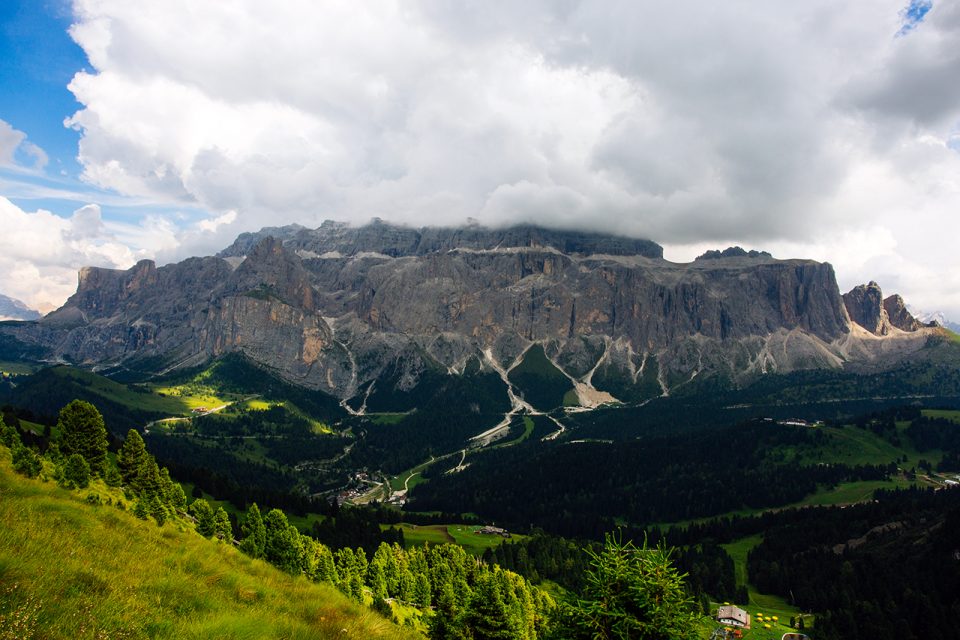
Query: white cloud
{"x": 40, "y": 252}
{"x": 777, "y": 125}
{"x": 11, "y": 141}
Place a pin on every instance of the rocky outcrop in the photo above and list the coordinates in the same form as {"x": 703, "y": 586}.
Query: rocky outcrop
{"x": 732, "y": 252}
{"x": 867, "y": 307}
{"x": 864, "y": 304}
{"x": 898, "y": 315}
{"x": 340, "y": 308}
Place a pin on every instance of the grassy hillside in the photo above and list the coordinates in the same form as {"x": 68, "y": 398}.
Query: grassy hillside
{"x": 69, "y": 569}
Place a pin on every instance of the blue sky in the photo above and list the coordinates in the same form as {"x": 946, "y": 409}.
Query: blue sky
{"x": 37, "y": 61}
{"x": 813, "y": 129}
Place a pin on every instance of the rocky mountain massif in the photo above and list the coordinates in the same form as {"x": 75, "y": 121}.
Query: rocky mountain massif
{"x": 344, "y": 309}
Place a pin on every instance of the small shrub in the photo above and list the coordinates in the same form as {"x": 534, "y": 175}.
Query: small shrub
{"x": 94, "y": 499}
{"x": 26, "y": 461}
{"x": 76, "y": 472}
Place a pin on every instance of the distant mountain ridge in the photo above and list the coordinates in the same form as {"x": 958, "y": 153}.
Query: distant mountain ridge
{"x": 346, "y": 309}
{"x": 13, "y": 309}
{"x": 927, "y": 317}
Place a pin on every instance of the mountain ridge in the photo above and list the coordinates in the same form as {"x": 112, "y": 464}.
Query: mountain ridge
{"x": 13, "y": 309}
{"x": 331, "y": 308}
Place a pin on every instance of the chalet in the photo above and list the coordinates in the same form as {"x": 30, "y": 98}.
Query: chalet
{"x": 733, "y": 616}
{"x": 493, "y": 531}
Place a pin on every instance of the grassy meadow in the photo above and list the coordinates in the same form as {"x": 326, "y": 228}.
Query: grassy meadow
{"x": 69, "y": 569}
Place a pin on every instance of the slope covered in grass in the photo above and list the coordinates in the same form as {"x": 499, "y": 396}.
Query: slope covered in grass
{"x": 69, "y": 569}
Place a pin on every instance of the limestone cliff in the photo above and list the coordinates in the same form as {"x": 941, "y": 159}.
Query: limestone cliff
{"x": 338, "y": 307}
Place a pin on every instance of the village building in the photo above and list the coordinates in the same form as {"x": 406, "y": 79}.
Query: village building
{"x": 733, "y": 616}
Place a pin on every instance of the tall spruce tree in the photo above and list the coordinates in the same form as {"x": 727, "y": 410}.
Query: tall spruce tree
{"x": 132, "y": 458}
{"x": 254, "y": 533}
{"x": 278, "y": 548}
{"x": 83, "y": 431}
{"x": 487, "y": 616}
{"x": 221, "y": 525}
{"x": 203, "y": 514}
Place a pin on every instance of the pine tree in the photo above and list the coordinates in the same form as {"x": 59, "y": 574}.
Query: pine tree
{"x": 376, "y": 580}
{"x": 149, "y": 479}
{"x": 83, "y": 431}
{"x": 166, "y": 485}
{"x": 326, "y": 569}
{"x": 446, "y": 622}
{"x": 200, "y": 509}
{"x": 421, "y": 591}
{"x": 157, "y": 510}
{"x": 76, "y": 472}
{"x": 253, "y": 532}
{"x": 278, "y": 548}
{"x": 631, "y": 592}
{"x": 178, "y": 499}
{"x": 132, "y": 459}
{"x": 487, "y": 615}
{"x": 140, "y": 509}
{"x": 221, "y": 525}
{"x": 112, "y": 476}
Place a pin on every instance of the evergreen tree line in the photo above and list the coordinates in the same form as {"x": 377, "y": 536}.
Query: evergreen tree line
{"x": 709, "y": 569}
{"x": 468, "y": 598}
{"x": 883, "y": 570}
{"x": 674, "y": 477}
{"x": 78, "y": 450}
{"x": 628, "y": 591}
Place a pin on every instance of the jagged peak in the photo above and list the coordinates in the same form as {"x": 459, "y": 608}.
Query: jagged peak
{"x": 733, "y": 252}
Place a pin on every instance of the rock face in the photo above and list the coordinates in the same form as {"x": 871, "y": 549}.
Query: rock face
{"x": 898, "y": 315}
{"x": 865, "y": 306}
{"x": 339, "y": 308}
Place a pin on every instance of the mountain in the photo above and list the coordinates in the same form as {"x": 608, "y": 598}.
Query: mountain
{"x": 379, "y": 309}
{"x": 937, "y": 317}
{"x": 13, "y": 309}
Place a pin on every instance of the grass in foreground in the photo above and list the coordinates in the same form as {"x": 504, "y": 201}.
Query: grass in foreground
{"x": 72, "y": 570}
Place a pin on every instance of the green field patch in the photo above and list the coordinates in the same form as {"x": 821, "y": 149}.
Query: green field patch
{"x": 191, "y": 396}
{"x": 528, "y": 426}
{"x": 852, "y": 492}
{"x": 18, "y": 368}
{"x": 947, "y": 414}
{"x": 474, "y": 542}
{"x": 414, "y": 535}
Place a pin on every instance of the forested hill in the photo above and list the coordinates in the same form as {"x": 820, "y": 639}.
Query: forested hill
{"x": 97, "y": 544}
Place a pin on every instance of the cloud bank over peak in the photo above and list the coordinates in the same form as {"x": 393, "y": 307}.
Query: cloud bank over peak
{"x": 692, "y": 123}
